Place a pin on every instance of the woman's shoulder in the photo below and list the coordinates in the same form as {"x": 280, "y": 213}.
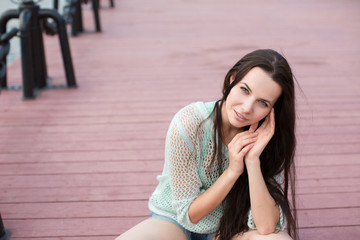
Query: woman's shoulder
{"x": 193, "y": 110}
{"x": 190, "y": 117}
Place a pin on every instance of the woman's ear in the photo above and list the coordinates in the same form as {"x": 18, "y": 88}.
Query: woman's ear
{"x": 232, "y": 78}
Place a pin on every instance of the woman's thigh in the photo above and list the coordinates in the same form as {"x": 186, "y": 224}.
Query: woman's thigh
{"x": 254, "y": 235}
{"x": 154, "y": 229}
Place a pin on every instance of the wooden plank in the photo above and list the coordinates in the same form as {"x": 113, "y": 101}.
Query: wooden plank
{"x": 328, "y": 200}
{"x": 136, "y": 125}
{"x": 134, "y": 208}
{"x": 325, "y": 176}
{"x": 81, "y": 156}
{"x": 76, "y": 194}
{"x": 108, "y": 106}
{"x": 345, "y": 125}
{"x": 329, "y": 217}
{"x": 109, "y": 102}
{"x": 153, "y": 166}
{"x": 142, "y": 192}
{"x": 149, "y": 154}
{"x": 333, "y": 232}
{"x": 330, "y": 189}
{"x": 153, "y": 133}
{"x": 84, "y": 146}
{"x": 114, "y": 226}
{"x": 318, "y": 172}
{"x": 77, "y": 227}
{"x": 71, "y": 168}
{"x": 333, "y": 148}
{"x": 78, "y": 180}
{"x": 54, "y": 210}
{"x": 123, "y": 115}
{"x": 327, "y": 159}
{"x": 310, "y": 110}
{"x": 159, "y": 144}
{"x": 127, "y": 178}
{"x": 124, "y": 192}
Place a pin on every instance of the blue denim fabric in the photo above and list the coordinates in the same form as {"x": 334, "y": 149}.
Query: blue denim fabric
{"x": 189, "y": 235}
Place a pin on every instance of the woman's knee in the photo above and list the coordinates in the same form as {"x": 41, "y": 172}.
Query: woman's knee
{"x": 255, "y": 235}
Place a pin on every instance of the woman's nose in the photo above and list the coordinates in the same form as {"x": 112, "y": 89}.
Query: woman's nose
{"x": 247, "y": 106}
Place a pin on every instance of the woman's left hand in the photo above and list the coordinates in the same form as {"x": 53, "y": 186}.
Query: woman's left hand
{"x": 265, "y": 133}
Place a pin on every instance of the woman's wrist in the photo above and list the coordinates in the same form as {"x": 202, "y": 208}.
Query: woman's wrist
{"x": 232, "y": 176}
{"x": 252, "y": 164}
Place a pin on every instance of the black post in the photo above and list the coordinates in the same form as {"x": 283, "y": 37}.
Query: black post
{"x": 76, "y": 24}
{"x": 4, "y": 50}
{"x": 37, "y": 44}
{"x": 56, "y": 4}
{"x": 112, "y": 3}
{"x": 26, "y": 54}
{"x": 95, "y": 6}
{"x": 80, "y": 18}
{"x": 4, "y": 233}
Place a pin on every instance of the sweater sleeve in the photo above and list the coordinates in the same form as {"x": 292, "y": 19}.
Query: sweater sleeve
{"x": 180, "y": 154}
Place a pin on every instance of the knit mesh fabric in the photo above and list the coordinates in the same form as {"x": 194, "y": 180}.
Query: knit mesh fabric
{"x": 188, "y": 172}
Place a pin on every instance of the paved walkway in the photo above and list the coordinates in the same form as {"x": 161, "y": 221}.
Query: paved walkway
{"x": 81, "y": 163}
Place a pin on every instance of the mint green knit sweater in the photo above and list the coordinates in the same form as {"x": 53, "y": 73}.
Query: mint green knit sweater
{"x": 187, "y": 173}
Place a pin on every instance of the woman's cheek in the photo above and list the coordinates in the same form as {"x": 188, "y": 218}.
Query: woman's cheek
{"x": 261, "y": 116}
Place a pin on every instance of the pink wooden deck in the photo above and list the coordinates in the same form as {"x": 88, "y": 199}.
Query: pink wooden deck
{"x": 81, "y": 163}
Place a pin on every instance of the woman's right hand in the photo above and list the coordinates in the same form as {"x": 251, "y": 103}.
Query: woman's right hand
{"x": 239, "y": 146}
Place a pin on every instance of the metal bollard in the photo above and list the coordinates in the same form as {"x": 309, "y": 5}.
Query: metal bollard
{"x": 32, "y": 21}
{"x": 64, "y": 44}
{"x": 73, "y": 15}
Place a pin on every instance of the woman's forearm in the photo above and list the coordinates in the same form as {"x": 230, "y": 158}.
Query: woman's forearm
{"x": 212, "y": 197}
{"x": 265, "y": 211}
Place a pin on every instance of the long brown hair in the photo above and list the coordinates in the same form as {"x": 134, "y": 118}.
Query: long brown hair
{"x": 277, "y": 157}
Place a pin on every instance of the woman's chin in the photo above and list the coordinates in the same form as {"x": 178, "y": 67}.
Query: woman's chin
{"x": 239, "y": 125}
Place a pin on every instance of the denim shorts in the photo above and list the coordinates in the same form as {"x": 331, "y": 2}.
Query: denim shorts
{"x": 189, "y": 235}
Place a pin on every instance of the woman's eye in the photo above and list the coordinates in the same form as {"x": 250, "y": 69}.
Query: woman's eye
{"x": 265, "y": 104}
{"x": 245, "y": 90}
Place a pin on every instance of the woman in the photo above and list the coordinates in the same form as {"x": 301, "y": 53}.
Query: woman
{"x": 224, "y": 161}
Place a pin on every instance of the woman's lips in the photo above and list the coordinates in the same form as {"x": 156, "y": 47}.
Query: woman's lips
{"x": 239, "y": 117}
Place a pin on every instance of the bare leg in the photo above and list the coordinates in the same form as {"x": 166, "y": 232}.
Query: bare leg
{"x": 154, "y": 229}
{"x": 254, "y": 235}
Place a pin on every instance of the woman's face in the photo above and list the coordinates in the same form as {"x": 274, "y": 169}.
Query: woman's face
{"x": 251, "y": 99}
